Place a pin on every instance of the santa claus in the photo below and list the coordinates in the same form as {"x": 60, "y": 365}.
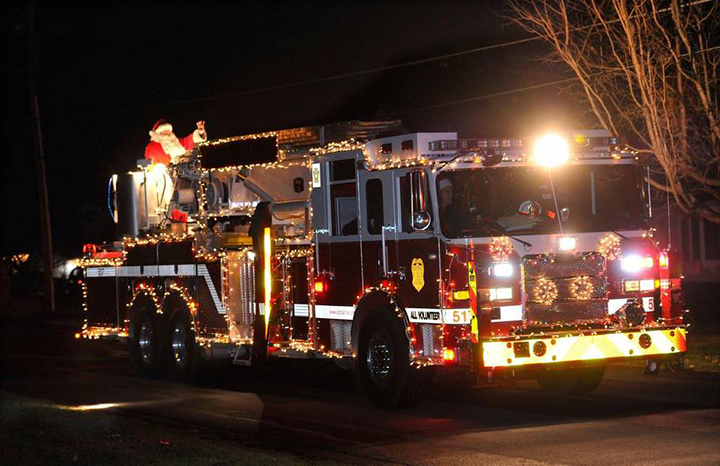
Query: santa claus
{"x": 165, "y": 147}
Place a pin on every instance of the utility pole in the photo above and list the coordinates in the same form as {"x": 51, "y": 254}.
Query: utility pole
{"x": 45, "y": 231}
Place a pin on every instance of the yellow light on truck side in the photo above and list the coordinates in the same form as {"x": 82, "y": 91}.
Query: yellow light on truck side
{"x": 460, "y": 295}
{"x": 267, "y": 276}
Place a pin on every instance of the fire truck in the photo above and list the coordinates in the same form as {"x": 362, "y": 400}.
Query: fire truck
{"x": 397, "y": 255}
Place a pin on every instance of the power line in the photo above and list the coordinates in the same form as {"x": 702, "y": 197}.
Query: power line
{"x": 486, "y": 96}
{"x": 518, "y": 90}
{"x": 327, "y": 78}
{"x": 367, "y": 71}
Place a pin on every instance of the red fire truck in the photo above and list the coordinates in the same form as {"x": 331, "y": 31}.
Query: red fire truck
{"x": 396, "y": 255}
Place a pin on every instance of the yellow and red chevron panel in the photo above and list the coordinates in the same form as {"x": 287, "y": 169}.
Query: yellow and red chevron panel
{"x": 574, "y": 348}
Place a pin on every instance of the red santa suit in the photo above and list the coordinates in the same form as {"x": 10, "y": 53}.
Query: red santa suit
{"x": 165, "y": 147}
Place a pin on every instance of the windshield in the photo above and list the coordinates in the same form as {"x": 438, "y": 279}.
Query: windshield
{"x": 519, "y": 200}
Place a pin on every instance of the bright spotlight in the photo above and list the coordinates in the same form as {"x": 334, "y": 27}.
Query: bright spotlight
{"x": 551, "y": 150}
{"x": 503, "y": 269}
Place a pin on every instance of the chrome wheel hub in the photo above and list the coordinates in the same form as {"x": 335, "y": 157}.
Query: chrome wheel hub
{"x": 379, "y": 359}
{"x": 179, "y": 344}
{"x": 145, "y": 341}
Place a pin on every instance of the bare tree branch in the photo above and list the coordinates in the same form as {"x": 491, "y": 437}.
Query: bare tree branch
{"x": 648, "y": 69}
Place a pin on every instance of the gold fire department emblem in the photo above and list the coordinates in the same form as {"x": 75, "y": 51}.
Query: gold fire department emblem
{"x": 418, "y": 273}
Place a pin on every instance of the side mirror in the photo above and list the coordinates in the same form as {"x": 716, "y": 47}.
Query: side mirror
{"x": 420, "y": 218}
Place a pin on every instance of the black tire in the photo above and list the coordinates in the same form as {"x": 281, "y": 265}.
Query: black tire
{"x": 183, "y": 352}
{"x": 145, "y": 352}
{"x": 576, "y": 381}
{"x": 386, "y": 376}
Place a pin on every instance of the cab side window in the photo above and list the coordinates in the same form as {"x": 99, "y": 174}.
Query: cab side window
{"x": 343, "y": 197}
{"x": 374, "y": 199}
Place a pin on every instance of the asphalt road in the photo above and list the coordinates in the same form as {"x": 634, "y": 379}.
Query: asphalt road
{"x": 311, "y": 410}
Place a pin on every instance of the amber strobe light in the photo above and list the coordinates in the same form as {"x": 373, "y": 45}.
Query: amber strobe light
{"x": 449, "y": 355}
{"x": 267, "y": 276}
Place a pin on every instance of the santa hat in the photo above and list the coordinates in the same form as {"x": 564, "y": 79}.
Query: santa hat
{"x": 162, "y": 126}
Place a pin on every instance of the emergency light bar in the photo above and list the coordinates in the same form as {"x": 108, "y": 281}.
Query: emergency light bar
{"x": 463, "y": 144}
{"x": 597, "y": 142}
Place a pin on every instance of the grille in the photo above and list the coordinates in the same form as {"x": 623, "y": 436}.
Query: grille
{"x": 558, "y": 266}
{"x": 564, "y": 288}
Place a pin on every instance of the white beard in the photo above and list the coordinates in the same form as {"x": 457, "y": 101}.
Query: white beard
{"x": 170, "y": 144}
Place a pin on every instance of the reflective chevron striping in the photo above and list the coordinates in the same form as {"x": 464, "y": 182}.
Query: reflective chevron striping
{"x": 570, "y": 348}
{"x": 203, "y": 272}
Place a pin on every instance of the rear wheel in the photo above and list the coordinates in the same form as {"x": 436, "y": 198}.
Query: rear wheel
{"x": 576, "y": 381}
{"x": 185, "y": 359}
{"x": 384, "y": 370}
{"x": 144, "y": 348}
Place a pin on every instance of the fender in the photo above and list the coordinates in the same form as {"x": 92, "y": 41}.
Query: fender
{"x": 176, "y": 300}
{"x": 144, "y": 296}
{"x": 375, "y": 299}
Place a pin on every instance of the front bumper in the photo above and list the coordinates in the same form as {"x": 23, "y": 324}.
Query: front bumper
{"x": 577, "y": 348}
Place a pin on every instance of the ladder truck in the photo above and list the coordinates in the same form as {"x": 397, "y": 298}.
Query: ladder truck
{"x": 397, "y": 255}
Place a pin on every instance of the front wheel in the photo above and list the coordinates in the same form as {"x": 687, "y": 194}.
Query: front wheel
{"x": 576, "y": 381}
{"x": 386, "y": 375}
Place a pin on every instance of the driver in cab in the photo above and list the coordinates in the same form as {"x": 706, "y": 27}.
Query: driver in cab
{"x": 450, "y": 214}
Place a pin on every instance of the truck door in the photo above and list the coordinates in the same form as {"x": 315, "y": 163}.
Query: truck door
{"x": 417, "y": 255}
{"x": 378, "y": 226}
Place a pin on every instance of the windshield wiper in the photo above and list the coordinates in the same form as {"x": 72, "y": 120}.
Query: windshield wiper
{"x": 620, "y": 235}
{"x": 526, "y": 245}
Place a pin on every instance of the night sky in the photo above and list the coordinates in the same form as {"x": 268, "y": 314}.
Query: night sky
{"x": 107, "y": 72}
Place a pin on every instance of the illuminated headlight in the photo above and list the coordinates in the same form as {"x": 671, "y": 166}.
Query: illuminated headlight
{"x": 566, "y": 243}
{"x": 503, "y": 269}
{"x": 636, "y": 263}
{"x": 630, "y": 286}
{"x": 500, "y": 294}
{"x": 647, "y": 285}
